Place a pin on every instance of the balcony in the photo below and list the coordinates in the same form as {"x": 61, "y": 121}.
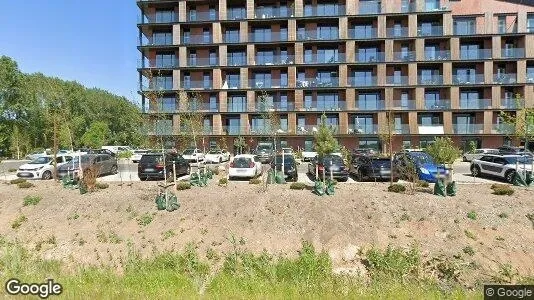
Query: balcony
{"x": 274, "y": 60}
{"x": 197, "y": 84}
{"x": 236, "y": 13}
{"x": 475, "y": 54}
{"x": 432, "y": 129}
{"x": 318, "y": 82}
{"x": 513, "y": 53}
{"x": 468, "y": 128}
{"x": 369, "y": 7}
{"x": 266, "y": 84}
{"x": 197, "y": 39}
{"x": 371, "y": 57}
{"x": 475, "y": 104}
{"x": 430, "y": 31}
{"x": 236, "y": 61}
{"x": 370, "y": 105}
{"x": 324, "y": 10}
{"x": 502, "y": 129}
{"x": 276, "y": 106}
{"x": 401, "y": 129}
{"x": 397, "y": 32}
{"x": 231, "y": 38}
{"x": 464, "y": 30}
{"x": 437, "y": 55}
{"x": 404, "y": 56}
{"x": 397, "y": 80}
{"x": 157, "y": 18}
{"x": 363, "y": 33}
{"x": 307, "y": 129}
{"x": 272, "y": 12}
{"x": 510, "y": 78}
{"x": 437, "y": 104}
{"x": 202, "y": 62}
{"x": 200, "y": 107}
{"x": 207, "y": 129}
{"x": 468, "y": 79}
{"x": 154, "y": 86}
{"x": 363, "y": 81}
{"x": 267, "y": 38}
{"x": 154, "y": 41}
{"x": 403, "y": 104}
{"x": 363, "y": 129}
{"x": 430, "y": 80}
{"x": 324, "y": 59}
{"x": 238, "y": 107}
{"x": 311, "y": 35}
{"x": 512, "y": 103}
{"x": 234, "y": 130}
{"x": 231, "y": 84}
{"x": 203, "y": 16}
{"x": 166, "y": 63}
{"x": 324, "y": 105}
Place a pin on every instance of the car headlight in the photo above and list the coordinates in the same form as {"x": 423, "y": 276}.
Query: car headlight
{"x": 424, "y": 171}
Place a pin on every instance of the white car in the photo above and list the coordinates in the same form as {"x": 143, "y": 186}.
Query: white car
{"x": 216, "y": 156}
{"x": 42, "y": 167}
{"x": 192, "y": 155}
{"x": 502, "y": 166}
{"x": 137, "y": 154}
{"x": 479, "y": 153}
{"x": 308, "y": 155}
{"x": 245, "y": 166}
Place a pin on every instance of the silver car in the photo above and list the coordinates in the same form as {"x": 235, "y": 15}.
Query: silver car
{"x": 103, "y": 163}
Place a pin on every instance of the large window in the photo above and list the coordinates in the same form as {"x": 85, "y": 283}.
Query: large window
{"x": 369, "y": 143}
{"x": 162, "y": 38}
{"x": 432, "y": 100}
{"x": 470, "y": 99}
{"x": 233, "y": 81}
{"x": 237, "y": 103}
{"x": 469, "y": 51}
{"x": 464, "y": 26}
{"x": 262, "y": 35}
{"x": 236, "y": 58}
{"x": 265, "y": 57}
{"x": 429, "y": 120}
{"x": 364, "y": 31}
{"x": 369, "y": 101}
{"x": 368, "y": 54}
{"x": 166, "y": 104}
{"x": 326, "y": 32}
{"x": 431, "y": 5}
{"x": 164, "y": 16}
{"x": 327, "y": 101}
{"x": 364, "y": 124}
{"x": 165, "y": 60}
{"x": 530, "y": 23}
{"x": 163, "y": 82}
{"x": 262, "y": 80}
{"x": 364, "y": 78}
{"x": 231, "y": 36}
{"x": 236, "y": 13}
{"x": 465, "y": 75}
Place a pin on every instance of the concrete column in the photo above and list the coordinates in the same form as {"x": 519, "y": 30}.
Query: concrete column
{"x": 447, "y": 24}
{"x": 412, "y": 122}
{"x": 447, "y": 122}
{"x": 412, "y": 25}
{"x": 175, "y": 124}
{"x": 389, "y": 50}
{"x": 381, "y": 26}
{"x": 292, "y": 76}
{"x": 420, "y": 49}
{"x": 176, "y": 34}
{"x": 529, "y": 42}
{"x": 350, "y": 98}
{"x": 292, "y": 122}
{"x": 343, "y": 28}
{"x": 343, "y": 76}
{"x": 292, "y": 30}
{"x": 381, "y": 74}
{"x": 175, "y": 79}
{"x": 496, "y": 96}
{"x": 222, "y": 9}
{"x": 447, "y": 73}
{"x": 243, "y": 32}
{"x": 488, "y": 72}
{"x": 223, "y": 101}
{"x": 455, "y": 48}
{"x": 488, "y": 121}
{"x": 182, "y": 60}
{"x": 251, "y": 54}
{"x": 299, "y": 53}
{"x": 250, "y": 9}
{"x": 217, "y": 124}
{"x": 522, "y": 21}
{"x": 350, "y": 51}
{"x": 223, "y": 55}
{"x": 217, "y": 35}
{"x": 496, "y": 43}
{"x": 412, "y": 73}
{"x": 299, "y": 8}
{"x": 182, "y": 11}
{"x": 529, "y": 96}
{"x": 521, "y": 71}
{"x": 243, "y": 74}
{"x": 420, "y": 98}
{"x": 455, "y": 97}
{"x": 217, "y": 80}
{"x": 299, "y": 100}
{"x": 251, "y": 101}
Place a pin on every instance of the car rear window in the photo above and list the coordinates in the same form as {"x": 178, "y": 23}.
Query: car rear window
{"x": 242, "y": 162}
{"x": 150, "y": 159}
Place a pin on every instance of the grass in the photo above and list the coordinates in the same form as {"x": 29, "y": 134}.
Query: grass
{"x": 472, "y": 215}
{"x": 144, "y": 219}
{"x": 182, "y": 185}
{"x": 167, "y": 234}
{"x": 502, "y": 189}
{"x": 31, "y": 200}
{"x": 468, "y": 250}
{"x": 18, "y": 221}
{"x": 503, "y": 215}
{"x": 297, "y": 186}
{"x": 223, "y": 182}
{"x": 101, "y": 185}
{"x": 17, "y": 181}
{"x": 470, "y": 234}
{"x": 396, "y": 188}
{"x": 25, "y": 185}
{"x": 255, "y": 181}
{"x": 405, "y": 217}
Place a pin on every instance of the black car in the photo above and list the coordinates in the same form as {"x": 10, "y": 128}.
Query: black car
{"x": 329, "y": 163}
{"x": 371, "y": 168}
{"x": 151, "y": 166}
{"x": 290, "y": 166}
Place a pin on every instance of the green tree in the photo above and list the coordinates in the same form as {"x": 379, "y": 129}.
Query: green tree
{"x": 522, "y": 121}
{"x": 444, "y": 151}
{"x": 97, "y": 135}
{"x": 325, "y": 143}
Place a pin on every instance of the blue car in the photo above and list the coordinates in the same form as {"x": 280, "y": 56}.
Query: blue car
{"x": 427, "y": 170}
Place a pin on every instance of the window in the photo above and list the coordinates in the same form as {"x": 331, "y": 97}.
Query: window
{"x": 234, "y": 125}
{"x": 213, "y": 103}
{"x": 367, "y": 54}
{"x": 237, "y": 103}
{"x": 470, "y": 99}
{"x": 284, "y": 123}
{"x": 262, "y": 34}
{"x": 364, "y": 31}
{"x": 236, "y": 58}
{"x": 429, "y": 120}
{"x": 501, "y": 24}
{"x": 464, "y": 124}
{"x": 369, "y": 101}
{"x": 164, "y": 16}
{"x": 231, "y": 36}
{"x": 165, "y": 60}
{"x": 236, "y": 13}
{"x": 431, "y": 5}
{"x": 308, "y": 145}
{"x": 162, "y": 38}
{"x": 192, "y": 15}
{"x": 464, "y": 26}
{"x": 262, "y": 80}
{"x": 327, "y": 101}
{"x": 283, "y": 79}
{"x": 283, "y": 33}
{"x": 432, "y": 100}
{"x": 364, "y": 124}
{"x": 265, "y": 57}
{"x": 206, "y": 79}
{"x": 429, "y": 28}
{"x": 213, "y": 57}
{"x": 163, "y": 82}
{"x": 166, "y": 104}
{"x": 430, "y": 76}
{"x": 465, "y": 75}
{"x": 233, "y": 81}
{"x": 364, "y": 78}
{"x": 327, "y": 55}
{"x": 206, "y": 36}
{"x": 326, "y": 32}
{"x": 369, "y": 143}
{"x": 530, "y": 23}
{"x": 470, "y": 51}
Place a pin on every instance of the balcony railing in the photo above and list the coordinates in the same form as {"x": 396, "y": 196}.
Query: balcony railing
{"x": 437, "y": 104}
{"x": 200, "y": 107}
{"x": 512, "y": 103}
{"x": 276, "y": 106}
{"x": 318, "y": 82}
{"x": 370, "y": 58}
{"x": 324, "y": 106}
{"x": 430, "y": 31}
{"x": 197, "y": 84}
{"x": 307, "y": 35}
{"x": 261, "y": 83}
{"x": 463, "y": 30}
{"x": 157, "y": 19}
{"x": 401, "y": 129}
{"x": 157, "y": 63}
{"x": 397, "y": 32}
{"x": 307, "y": 129}
{"x": 266, "y": 130}
{"x": 274, "y": 60}
{"x": 475, "y": 54}
{"x": 363, "y": 128}
{"x": 266, "y": 38}
{"x": 272, "y": 12}
{"x": 151, "y": 41}
{"x": 202, "y": 62}
{"x": 236, "y": 61}
{"x": 363, "y": 81}
{"x": 369, "y": 7}
{"x": 468, "y": 79}
{"x": 325, "y": 10}
{"x": 324, "y": 59}
{"x": 397, "y": 80}
{"x": 468, "y": 128}
{"x": 150, "y": 87}
{"x": 403, "y": 104}
{"x": 360, "y": 34}
{"x": 502, "y": 129}
{"x": 236, "y": 14}
{"x": 510, "y": 78}
{"x": 370, "y": 105}
{"x": 231, "y": 84}
{"x": 234, "y": 130}
{"x": 203, "y": 16}
{"x": 404, "y": 56}
{"x": 237, "y": 107}
{"x": 430, "y": 80}
{"x": 513, "y": 53}
{"x": 438, "y": 55}
{"x": 475, "y": 104}
{"x": 197, "y": 39}
{"x": 231, "y": 38}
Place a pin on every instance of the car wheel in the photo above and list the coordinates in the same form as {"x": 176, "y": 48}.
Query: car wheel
{"x": 143, "y": 178}
{"x": 475, "y": 171}
{"x": 47, "y": 175}
{"x": 510, "y": 176}
{"x": 114, "y": 170}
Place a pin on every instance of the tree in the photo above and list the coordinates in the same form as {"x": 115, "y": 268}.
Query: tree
{"x": 386, "y": 136}
{"x": 444, "y": 151}
{"x": 522, "y": 121}
{"x": 96, "y": 136}
{"x": 325, "y": 143}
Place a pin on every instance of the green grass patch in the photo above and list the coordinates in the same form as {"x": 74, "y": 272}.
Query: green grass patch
{"x": 470, "y": 234}
{"x": 17, "y": 181}
{"x": 183, "y": 185}
{"x": 255, "y": 181}
{"x": 501, "y": 189}
{"x": 18, "y": 221}
{"x": 144, "y": 219}
{"x": 396, "y": 188}
{"x": 472, "y": 215}
{"x": 468, "y": 250}
{"x": 297, "y": 186}
{"x": 101, "y": 185}
{"x": 25, "y": 185}
{"x": 31, "y": 200}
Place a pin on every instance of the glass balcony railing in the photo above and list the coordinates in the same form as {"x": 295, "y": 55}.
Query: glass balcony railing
{"x": 475, "y": 54}
{"x": 274, "y": 60}
{"x": 397, "y": 80}
{"x": 155, "y": 41}
{"x": 236, "y": 61}
{"x": 157, "y": 63}
{"x": 403, "y": 104}
{"x": 197, "y": 39}
{"x": 231, "y": 38}
{"x": 401, "y": 128}
{"x": 463, "y": 30}
{"x": 369, "y": 7}
{"x": 203, "y": 16}
{"x": 370, "y": 57}
{"x": 513, "y": 53}
{"x": 237, "y": 107}
{"x": 204, "y": 107}
{"x": 324, "y": 59}
{"x": 324, "y": 10}
{"x": 530, "y": 78}
{"x": 266, "y": 38}
{"x": 363, "y": 81}
{"x": 371, "y": 105}
{"x": 437, "y": 104}
{"x": 231, "y": 84}
{"x": 234, "y": 130}
{"x": 307, "y": 129}
{"x": 396, "y": 32}
{"x": 197, "y": 84}
{"x": 468, "y": 128}
{"x": 262, "y": 83}
{"x": 277, "y": 106}
{"x": 318, "y": 82}
{"x": 363, "y": 128}
{"x": 272, "y": 12}
{"x": 404, "y": 56}
{"x": 512, "y": 103}
{"x": 363, "y": 33}
{"x": 202, "y": 62}
{"x": 430, "y": 31}
{"x": 207, "y": 129}
{"x": 157, "y": 18}
{"x": 160, "y": 130}
{"x": 430, "y": 80}
{"x": 475, "y": 104}
{"x": 307, "y": 35}
{"x": 468, "y": 79}
{"x": 236, "y": 13}
{"x": 502, "y": 129}
{"x": 324, "y": 105}
{"x": 509, "y": 78}
{"x": 438, "y": 55}
{"x": 153, "y": 86}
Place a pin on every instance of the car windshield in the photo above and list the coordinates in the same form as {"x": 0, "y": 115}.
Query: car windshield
{"x": 215, "y": 152}
{"x": 422, "y": 158}
{"x": 519, "y": 160}
{"x": 287, "y": 159}
{"x": 264, "y": 147}
{"x": 189, "y": 151}
{"x": 41, "y": 160}
{"x": 332, "y": 159}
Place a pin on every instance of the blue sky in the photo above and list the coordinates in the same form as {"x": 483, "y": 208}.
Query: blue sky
{"x": 90, "y": 41}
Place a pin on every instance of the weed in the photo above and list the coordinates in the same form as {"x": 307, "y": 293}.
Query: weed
{"x": 114, "y": 238}
{"x": 394, "y": 262}
{"x": 297, "y": 186}
{"x": 51, "y": 240}
{"x": 75, "y": 216}
{"x": 504, "y": 190}
{"x": 396, "y": 188}
{"x": 499, "y": 186}
{"x": 144, "y": 219}
{"x": 405, "y": 217}
{"x": 182, "y": 185}
{"x": 11, "y": 170}
{"x": 456, "y": 221}
{"x": 530, "y": 217}
{"x": 255, "y": 181}
{"x": 203, "y": 231}
{"x": 31, "y": 200}
{"x": 506, "y": 274}
{"x": 17, "y": 181}
{"x": 472, "y": 215}
{"x": 422, "y": 219}
{"x": 470, "y": 234}
{"x": 468, "y": 250}
{"x": 18, "y": 221}
{"x": 101, "y": 185}
{"x": 212, "y": 255}
{"x": 101, "y": 237}
{"x": 422, "y": 183}
{"x": 168, "y": 234}
{"x": 503, "y": 215}
{"x": 25, "y": 185}
{"x": 223, "y": 182}
{"x": 500, "y": 239}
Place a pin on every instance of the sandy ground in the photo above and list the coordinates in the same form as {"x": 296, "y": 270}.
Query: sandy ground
{"x": 95, "y": 228}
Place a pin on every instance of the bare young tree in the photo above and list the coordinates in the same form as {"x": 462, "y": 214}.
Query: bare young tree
{"x": 271, "y": 118}
{"x": 386, "y": 135}
{"x": 192, "y": 119}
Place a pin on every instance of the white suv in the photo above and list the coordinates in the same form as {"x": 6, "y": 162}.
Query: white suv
{"x": 502, "y": 166}
{"x": 42, "y": 167}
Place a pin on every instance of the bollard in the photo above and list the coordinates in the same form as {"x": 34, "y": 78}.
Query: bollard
{"x": 174, "y": 171}
{"x": 331, "y": 175}
{"x": 316, "y": 172}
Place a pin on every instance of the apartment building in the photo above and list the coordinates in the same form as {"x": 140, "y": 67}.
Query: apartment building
{"x": 437, "y": 67}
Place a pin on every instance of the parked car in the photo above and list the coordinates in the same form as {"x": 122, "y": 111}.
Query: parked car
{"x": 216, "y": 156}
{"x": 116, "y": 149}
{"x": 509, "y": 150}
{"x": 478, "y": 153}
{"x": 265, "y": 152}
{"x": 42, "y": 167}
{"x": 501, "y": 166}
{"x": 371, "y": 168}
{"x": 151, "y": 166}
{"x": 193, "y": 155}
{"x": 363, "y": 151}
{"x": 35, "y": 154}
{"x": 290, "y": 166}
{"x": 330, "y": 162}
{"x": 421, "y": 162}
{"x": 308, "y": 155}
{"x": 245, "y": 166}
{"x": 137, "y": 154}
{"x": 103, "y": 163}
{"x": 287, "y": 151}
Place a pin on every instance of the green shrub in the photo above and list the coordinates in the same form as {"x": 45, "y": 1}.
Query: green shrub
{"x": 216, "y": 171}
{"x": 396, "y": 188}
{"x": 101, "y": 185}
{"x": 31, "y": 200}
{"x": 255, "y": 181}
{"x": 18, "y": 221}
{"x": 25, "y": 185}
{"x": 472, "y": 215}
{"x": 17, "y": 181}
{"x": 505, "y": 190}
{"x": 223, "y": 182}
{"x": 393, "y": 262}
{"x": 422, "y": 183}
{"x": 297, "y": 186}
{"x": 470, "y": 234}
{"x": 125, "y": 154}
{"x": 12, "y": 170}
{"x": 183, "y": 185}
{"x": 468, "y": 250}
{"x": 145, "y": 219}
{"x": 498, "y": 186}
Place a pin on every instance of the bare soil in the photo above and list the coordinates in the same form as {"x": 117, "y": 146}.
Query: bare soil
{"x": 97, "y": 228}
